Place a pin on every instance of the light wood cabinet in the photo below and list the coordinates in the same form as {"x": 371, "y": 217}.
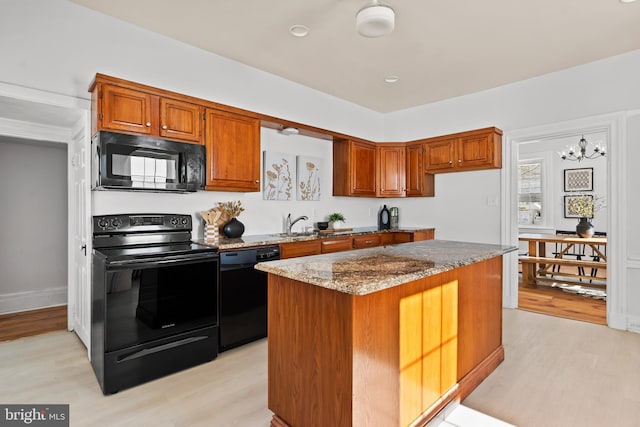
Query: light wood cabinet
{"x": 297, "y": 249}
{"x": 129, "y": 110}
{"x": 390, "y": 170}
{"x": 354, "y": 168}
{"x": 472, "y": 150}
{"x": 233, "y": 151}
{"x": 338, "y": 244}
{"x": 418, "y": 182}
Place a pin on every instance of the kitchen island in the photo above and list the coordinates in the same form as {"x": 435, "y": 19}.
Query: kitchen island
{"x": 385, "y": 336}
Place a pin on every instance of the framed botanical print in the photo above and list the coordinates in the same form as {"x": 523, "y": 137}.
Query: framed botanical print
{"x": 578, "y": 179}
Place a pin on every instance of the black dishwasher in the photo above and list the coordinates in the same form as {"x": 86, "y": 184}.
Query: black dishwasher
{"x": 243, "y": 296}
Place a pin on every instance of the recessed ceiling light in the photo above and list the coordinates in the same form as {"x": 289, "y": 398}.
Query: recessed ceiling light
{"x": 391, "y": 79}
{"x": 299, "y": 30}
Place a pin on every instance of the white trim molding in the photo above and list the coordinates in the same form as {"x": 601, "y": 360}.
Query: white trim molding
{"x": 31, "y": 300}
{"x": 614, "y": 126}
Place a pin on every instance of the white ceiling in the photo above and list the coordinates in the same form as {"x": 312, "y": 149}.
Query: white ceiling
{"x": 439, "y": 49}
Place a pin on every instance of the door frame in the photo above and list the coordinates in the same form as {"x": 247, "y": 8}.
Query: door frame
{"x": 614, "y": 126}
{"x": 39, "y": 103}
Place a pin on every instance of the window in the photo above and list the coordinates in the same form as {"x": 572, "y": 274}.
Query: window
{"x": 530, "y": 195}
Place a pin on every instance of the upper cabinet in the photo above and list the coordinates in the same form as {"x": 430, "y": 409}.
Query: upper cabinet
{"x": 418, "y": 183}
{"x": 354, "y": 168}
{"x": 142, "y": 112}
{"x": 233, "y": 151}
{"x": 390, "y": 170}
{"x": 473, "y": 150}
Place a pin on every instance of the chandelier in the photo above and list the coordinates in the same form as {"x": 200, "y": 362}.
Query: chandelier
{"x": 579, "y": 153}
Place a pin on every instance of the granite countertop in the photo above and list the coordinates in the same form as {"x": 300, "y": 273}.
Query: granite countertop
{"x": 364, "y": 271}
{"x": 225, "y": 243}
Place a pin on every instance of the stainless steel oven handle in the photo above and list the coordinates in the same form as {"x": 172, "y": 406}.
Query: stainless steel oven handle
{"x": 148, "y": 351}
{"x": 164, "y": 260}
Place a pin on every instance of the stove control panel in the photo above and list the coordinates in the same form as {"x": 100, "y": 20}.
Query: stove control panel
{"x": 133, "y": 223}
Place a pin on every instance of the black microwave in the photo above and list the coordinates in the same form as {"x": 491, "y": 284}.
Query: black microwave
{"x": 141, "y": 163}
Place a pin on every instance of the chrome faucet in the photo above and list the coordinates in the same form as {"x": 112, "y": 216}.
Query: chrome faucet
{"x": 290, "y": 222}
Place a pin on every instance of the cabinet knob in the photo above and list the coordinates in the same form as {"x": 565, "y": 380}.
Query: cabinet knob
{"x": 459, "y": 160}
{"x": 164, "y": 127}
{"x": 450, "y": 162}
{"x": 257, "y": 181}
{"x": 148, "y": 124}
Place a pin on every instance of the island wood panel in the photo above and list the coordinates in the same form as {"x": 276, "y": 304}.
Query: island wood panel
{"x": 309, "y": 354}
{"x": 382, "y": 359}
{"x": 479, "y": 313}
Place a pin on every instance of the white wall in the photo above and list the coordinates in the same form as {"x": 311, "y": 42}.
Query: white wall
{"x": 58, "y": 46}
{"x": 33, "y": 230}
{"x": 606, "y": 86}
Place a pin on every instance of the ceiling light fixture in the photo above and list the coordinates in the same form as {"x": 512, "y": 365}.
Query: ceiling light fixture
{"x": 627, "y": 1}
{"x": 579, "y": 153}
{"x": 391, "y": 79}
{"x": 375, "y": 20}
{"x": 289, "y": 131}
{"x": 298, "y": 30}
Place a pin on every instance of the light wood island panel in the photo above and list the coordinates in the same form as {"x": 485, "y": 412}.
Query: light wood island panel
{"x": 388, "y": 358}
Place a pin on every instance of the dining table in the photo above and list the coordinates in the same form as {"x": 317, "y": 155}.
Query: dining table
{"x": 538, "y": 266}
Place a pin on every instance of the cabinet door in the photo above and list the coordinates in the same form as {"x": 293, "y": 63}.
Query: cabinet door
{"x": 363, "y": 169}
{"x": 388, "y": 238}
{"x": 423, "y": 235}
{"x": 125, "y": 110}
{"x": 335, "y": 245}
{"x": 296, "y": 249}
{"x": 415, "y": 174}
{"x": 474, "y": 151}
{"x": 367, "y": 241}
{"x": 180, "y": 120}
{"x": 439, "y": 155}
{"x": 233, "y": 152}
{"x": 391, "y": 171}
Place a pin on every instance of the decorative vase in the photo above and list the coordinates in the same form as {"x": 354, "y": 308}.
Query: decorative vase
{"x": 233, "y": 228}
{"x": 585, "y": 228}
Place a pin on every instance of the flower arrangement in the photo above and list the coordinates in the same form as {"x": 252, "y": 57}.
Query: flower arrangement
{"x": 586, "y": 205}
{"x": 231, "y": 209}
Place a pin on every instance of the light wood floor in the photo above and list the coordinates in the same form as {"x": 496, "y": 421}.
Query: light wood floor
{"x": 557, "y": 372}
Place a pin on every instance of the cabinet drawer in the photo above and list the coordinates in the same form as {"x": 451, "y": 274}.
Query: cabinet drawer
{"x": 335, "y": 245}
{"x": 296, "y": 249}
{"x": 403, "y": 237}
{"x": 368, "y": 241}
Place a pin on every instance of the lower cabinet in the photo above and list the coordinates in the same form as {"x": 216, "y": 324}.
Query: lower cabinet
{"x": 347, "y": 243}
{"x": 296, "y": 249}
{"x": 366, "y": 241}
{"x": 340, "y": 244}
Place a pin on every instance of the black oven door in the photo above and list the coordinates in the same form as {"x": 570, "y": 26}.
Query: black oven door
{"x": 147, "y": 300}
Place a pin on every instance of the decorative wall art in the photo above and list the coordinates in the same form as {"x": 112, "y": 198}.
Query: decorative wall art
{"x": 578, "y": 206}
{"x": 308, "y": 178}
{"x": 279, "y": 176}
{"x": 578, "y": 179}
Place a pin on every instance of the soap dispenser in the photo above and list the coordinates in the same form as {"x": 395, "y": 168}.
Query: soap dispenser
{"x": 384, "y": 222}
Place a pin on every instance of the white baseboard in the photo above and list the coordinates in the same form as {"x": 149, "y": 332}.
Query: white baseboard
{"x": 634, "y": 324}
{"x": 32, "y": 300}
